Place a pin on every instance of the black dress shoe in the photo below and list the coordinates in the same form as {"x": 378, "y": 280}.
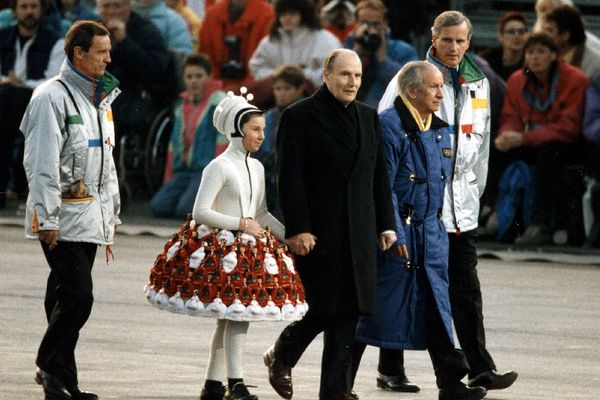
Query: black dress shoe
{"x": 353, "y": 395}
{"x": 280, "y": 376}
{"x": 396, "y": 383}
{"x": 460, "y": 391}
{"x": 77, "y": 394}
{"x": 215, "y": 393}
{"x": 239, "y": 391}
{"x": 54, "y": 388}
{"x": 492, "y": 380}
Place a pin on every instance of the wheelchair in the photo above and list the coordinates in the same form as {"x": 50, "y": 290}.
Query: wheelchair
{"x": 141, "y": 162}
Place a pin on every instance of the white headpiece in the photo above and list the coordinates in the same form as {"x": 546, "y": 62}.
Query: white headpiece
{"x": 229, "y": 113}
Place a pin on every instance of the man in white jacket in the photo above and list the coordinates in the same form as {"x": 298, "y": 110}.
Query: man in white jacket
{"x": 73, "y": 203}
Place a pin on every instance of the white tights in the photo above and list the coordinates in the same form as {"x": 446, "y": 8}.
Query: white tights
{"x": 227, "y": 350}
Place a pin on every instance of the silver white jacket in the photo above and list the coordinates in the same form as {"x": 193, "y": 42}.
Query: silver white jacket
{"x": 68, "y": 160}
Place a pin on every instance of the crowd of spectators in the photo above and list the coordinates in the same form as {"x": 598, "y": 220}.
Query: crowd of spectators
{"x": 275, "y": 47}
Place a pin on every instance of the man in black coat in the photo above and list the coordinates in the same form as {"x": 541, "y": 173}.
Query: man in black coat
{"x": 335, "y": 199}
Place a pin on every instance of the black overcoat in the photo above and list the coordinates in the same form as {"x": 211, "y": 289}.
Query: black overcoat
{"x": 334, "y": 184}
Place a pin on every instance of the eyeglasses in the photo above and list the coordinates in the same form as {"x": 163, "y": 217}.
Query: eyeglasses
{"x": 513, "y": 32}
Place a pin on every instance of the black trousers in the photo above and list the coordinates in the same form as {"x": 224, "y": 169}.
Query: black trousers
{"x": 68, "y": 304}
{"x": 449, "y": 364}
{"x": 466, "y": 302}
{"x": 338, "y": 338}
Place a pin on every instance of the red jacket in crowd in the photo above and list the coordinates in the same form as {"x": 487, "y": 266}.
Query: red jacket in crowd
{"x": 250, "y": 28}
{"x": 559, "y": 121}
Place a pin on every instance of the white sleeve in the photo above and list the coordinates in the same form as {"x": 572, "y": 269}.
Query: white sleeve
{"x": 213, "y": 180}
{"x": 391, "y": 92}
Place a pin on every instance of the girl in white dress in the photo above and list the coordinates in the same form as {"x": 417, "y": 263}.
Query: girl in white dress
{"x": 232, "y": 197}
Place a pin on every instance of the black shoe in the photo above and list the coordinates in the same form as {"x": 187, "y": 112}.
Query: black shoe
{"x": 77, "y": 394}
{"x": 492, "y": 380}
{"x": 353, "y": 395}
{"x": 280, "y": 376}
{"x": 215, "y": 393}
{"x": 54, "y": 388}
{"x": 396, "y": 383}
{"x": 239, "y": 391}
{"x": 460, "y": 391}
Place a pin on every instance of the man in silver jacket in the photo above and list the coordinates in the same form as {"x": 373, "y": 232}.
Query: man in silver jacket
{"x": 73, "y": 201}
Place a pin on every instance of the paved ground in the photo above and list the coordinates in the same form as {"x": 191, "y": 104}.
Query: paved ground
{"x": 542, "y": 320}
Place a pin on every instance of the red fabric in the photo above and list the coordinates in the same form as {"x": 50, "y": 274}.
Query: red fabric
{"x": 251, "y": 27}
{"x": 560, "y": 122}
{"x": 341, "y": 33}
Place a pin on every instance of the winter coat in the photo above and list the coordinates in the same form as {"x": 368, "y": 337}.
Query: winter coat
{"x": 418, "y": 166}
{"x": 68, "y": 149}
{"x": 333, "y": 183}
{"x": 471, "y": 141}
{"x": 558, "y": 118}
{"x": 249, "y": 28}
{"x": 303, "y": 46}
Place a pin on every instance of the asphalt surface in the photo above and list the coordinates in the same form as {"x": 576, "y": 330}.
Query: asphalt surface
{"x": 542, "y": 320}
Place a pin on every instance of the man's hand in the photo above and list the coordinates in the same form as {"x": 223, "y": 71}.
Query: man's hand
{"x": 302, "y": 243}
{"x": 49, "y": 237}
{"x": 509, "y": 140}
{"x": 399, "y": 250}
{"x": 117, "y": 28}
{"x": 386, "y": 240}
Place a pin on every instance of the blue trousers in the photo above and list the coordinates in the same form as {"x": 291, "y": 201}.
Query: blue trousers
{"x": 176, "y": 197}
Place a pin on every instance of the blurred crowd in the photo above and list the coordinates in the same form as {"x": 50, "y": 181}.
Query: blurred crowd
{"x": 183, "y": 56}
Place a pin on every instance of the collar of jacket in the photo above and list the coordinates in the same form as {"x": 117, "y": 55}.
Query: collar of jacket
{"x": 96, "y": 90}
{"x": 468, "y": 69}
{"x": 408, "y": 122}
{"x": 324, "y": 94}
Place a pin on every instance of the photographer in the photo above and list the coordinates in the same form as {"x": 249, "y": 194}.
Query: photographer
{"x": 381, "y": 56}
{"x": 229, "y": 35}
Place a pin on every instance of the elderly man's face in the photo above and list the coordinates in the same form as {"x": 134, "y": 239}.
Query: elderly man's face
{"x": 428, "y": 96}
{"x": 344, "y": 77}
{"x": 114, "y": 9}
{"x": 451, "y": 44}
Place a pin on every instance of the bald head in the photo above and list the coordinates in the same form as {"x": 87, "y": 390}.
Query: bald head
{"x": 342, "y": 73}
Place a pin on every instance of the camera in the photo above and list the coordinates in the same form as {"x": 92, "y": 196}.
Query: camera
{"x": 369, "y": 40}
{"x": 233, "y": 68}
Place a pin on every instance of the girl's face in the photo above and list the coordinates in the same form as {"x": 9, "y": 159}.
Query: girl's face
{"x": 539, "y": 59}
{"x": 254, "y": 133}
{"x": 194, "y": 78}
{"x": 289, "y": 20}
{"x": 285, "y": 93}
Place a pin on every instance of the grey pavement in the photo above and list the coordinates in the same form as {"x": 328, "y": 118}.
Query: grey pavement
{"x": 542, "y": 319}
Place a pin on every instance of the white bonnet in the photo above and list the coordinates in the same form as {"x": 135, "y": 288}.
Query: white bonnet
{"x": 229, "y": 112}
